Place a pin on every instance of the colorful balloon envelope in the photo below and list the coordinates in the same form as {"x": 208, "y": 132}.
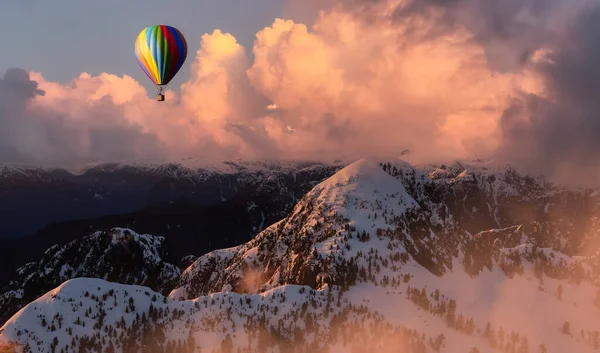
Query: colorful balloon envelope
{"x": 161, "y": 51}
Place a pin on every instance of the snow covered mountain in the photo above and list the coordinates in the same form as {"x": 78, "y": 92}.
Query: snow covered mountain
{"x": 118, "y": 255}
{"x": 414, "y": 216}
{"x": 380, "y": 256}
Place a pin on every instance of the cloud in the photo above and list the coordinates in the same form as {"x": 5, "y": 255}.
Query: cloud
{"x": 68, "y": 129}
{"x": 557, "y": 133}
{"x": 361, "y": 88}
{"x": 512, "y": 80}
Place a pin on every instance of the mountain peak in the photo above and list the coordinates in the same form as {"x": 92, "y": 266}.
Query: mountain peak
{"x": 359, "y": 189}
{"x": 332, "y": 222}
{"x": 364, "y": 168}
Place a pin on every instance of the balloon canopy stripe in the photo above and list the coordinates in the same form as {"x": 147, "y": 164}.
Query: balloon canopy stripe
{"x": 160, "y": 51}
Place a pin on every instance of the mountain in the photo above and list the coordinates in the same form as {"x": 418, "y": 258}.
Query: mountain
{"x": 380, "y": 256}
{"x": 191, "y": 208}
{"x": 55, "y": 195}
{"x": 302, "y": 248}
{"x": 118, "y": 255}
{"x": 432, "y": 220}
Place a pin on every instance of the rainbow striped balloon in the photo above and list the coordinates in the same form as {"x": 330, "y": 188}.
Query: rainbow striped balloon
{"x": 161, "y": 51}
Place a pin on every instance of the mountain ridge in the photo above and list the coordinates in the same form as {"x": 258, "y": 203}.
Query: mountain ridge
{"x": 114, "y": 189}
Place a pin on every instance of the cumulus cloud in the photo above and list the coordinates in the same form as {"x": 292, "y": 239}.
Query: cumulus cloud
{"x": 513, "y": 80}
{"x": 363, "y": 88}
{"x": 58, "y": 126}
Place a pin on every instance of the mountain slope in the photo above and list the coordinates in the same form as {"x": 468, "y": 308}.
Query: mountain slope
{"x": 119, "y": 255}
{"x": 287, "y": 319}
{"x": 380, "y": 256}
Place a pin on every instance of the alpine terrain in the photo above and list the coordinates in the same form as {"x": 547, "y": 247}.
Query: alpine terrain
{"x": 382, "y": 256}
{"x": 196, "y": 209}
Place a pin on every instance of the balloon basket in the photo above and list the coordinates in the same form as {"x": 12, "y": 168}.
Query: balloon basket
{"x": 160, "y": 95}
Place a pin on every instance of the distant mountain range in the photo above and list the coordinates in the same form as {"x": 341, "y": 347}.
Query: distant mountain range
{"x": 381, "y": 256}
{"x": 32, "y": 198}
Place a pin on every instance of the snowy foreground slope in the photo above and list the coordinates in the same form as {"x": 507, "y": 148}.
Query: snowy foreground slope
{"x": 375, "y": 258}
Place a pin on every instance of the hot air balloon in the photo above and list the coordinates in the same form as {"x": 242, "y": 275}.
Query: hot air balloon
{"x": 161, "y": 51}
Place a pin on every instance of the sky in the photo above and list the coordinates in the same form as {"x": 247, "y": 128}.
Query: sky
{"x": 514, "y": 81}
{"x": 67, "y": 37}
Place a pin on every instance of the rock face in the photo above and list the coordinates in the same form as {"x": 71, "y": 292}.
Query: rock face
{"x": 379, "y": 255}
{"x": 118, "y": 255}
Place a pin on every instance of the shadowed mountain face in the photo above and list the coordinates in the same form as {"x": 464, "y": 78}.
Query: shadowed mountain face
{"x": 32, "y": 198}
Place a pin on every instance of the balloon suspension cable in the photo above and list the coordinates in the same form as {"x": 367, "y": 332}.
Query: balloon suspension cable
{"x": 160, "y": 95}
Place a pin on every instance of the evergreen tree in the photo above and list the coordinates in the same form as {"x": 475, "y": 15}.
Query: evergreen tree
{"x": 559, "y": 292}
{"x": 566, "y": 328}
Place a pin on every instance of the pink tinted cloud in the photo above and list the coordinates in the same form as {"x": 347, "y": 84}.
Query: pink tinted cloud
{"x": 366, "y": 78}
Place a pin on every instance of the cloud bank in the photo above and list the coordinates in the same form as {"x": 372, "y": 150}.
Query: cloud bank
{"x": 513, "y": 80}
